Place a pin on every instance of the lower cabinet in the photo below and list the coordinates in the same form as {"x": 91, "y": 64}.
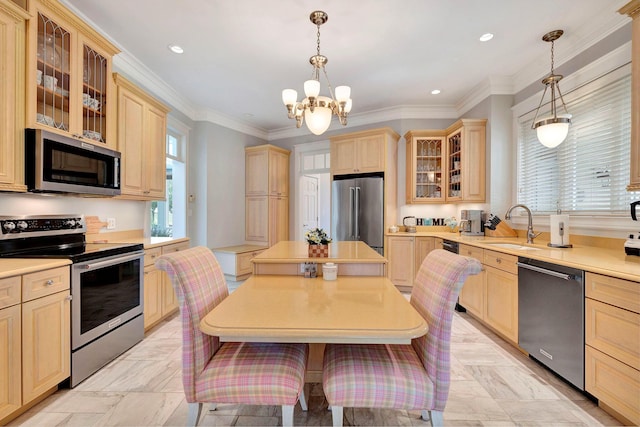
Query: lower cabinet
{"x": 492, "y": 295}
{"x": 405, "y": 255}
{"x": 612, "y": 338}
{"x": 235, "y": 261}
{"x": 35, "y": 337}
{"x": 160, "y": 300}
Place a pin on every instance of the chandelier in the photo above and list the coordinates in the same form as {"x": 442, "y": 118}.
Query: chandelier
{"x": 315, "y": 109}
{"x": 552, "y": 130}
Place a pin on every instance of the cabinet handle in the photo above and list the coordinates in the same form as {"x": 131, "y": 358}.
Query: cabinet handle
{"x": 49, "y": 282}
{"x": 68, "y": 298}
{"x": 498, "y": 260}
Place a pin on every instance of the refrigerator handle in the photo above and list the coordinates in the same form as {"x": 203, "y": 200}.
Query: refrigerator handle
{"x": 352, "y": 191}
{"x": 357, "y": 215}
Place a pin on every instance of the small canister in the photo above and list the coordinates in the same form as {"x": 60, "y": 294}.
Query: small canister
{"x": 329, "y": 271}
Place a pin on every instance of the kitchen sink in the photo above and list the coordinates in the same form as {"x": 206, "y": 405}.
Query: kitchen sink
{"x": 512, "y": 246}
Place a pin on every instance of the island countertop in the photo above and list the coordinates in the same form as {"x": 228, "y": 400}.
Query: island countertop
{"x": 289, "y": 257}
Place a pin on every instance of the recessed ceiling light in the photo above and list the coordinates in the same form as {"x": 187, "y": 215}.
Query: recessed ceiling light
{"x": 435, "y": 91}
{"x": 486, "y": 37}
{"x": 175, "y": 48}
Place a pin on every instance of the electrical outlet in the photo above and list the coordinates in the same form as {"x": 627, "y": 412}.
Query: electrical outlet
{"x": 111, "y": 223}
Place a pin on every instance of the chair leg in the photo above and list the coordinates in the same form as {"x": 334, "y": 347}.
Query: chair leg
{"x": 435, "y": 417}
{"x": 287, "y": 415}
{"x": 303, "y": 400}
{"x": 194, "y": 414}
{"x": 336, "y": 415}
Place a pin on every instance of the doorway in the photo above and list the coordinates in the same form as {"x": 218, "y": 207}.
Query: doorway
{"x": 313, "y": 188}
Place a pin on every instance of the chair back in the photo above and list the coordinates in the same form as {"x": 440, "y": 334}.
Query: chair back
{"x": 434, "y": 295}
{"x": 199, "y": 284}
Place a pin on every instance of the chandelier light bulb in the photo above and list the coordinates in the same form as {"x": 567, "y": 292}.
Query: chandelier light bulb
{"x": 347, "y": 107}
{"x": 289, "y": 96}
{"x": 312, "y": 88}
{"x": 343, "y": 93}
{"x": 318, "y": 121}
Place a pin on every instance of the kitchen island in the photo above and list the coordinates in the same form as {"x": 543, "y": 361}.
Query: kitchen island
{"x": 289, "y": 258}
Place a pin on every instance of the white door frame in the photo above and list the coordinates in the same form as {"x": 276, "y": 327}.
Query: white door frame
{"x": 298, "y": 150}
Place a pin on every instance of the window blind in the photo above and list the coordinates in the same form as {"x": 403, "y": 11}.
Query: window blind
{"x": 589, "y": 171}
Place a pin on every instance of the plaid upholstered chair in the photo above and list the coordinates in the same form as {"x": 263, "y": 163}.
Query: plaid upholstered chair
{"x": 413, "y": 376}
{"x": 232, "y": 372}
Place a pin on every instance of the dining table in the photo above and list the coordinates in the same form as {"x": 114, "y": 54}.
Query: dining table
{"x": 295, "y": 309}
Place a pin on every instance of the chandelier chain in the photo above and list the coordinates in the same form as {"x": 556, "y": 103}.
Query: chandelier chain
{"x": 552, "y": 57}
{"x": 318, "y": 36}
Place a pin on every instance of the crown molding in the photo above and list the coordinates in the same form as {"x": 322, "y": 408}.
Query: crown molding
{"x": 495, "y": 85}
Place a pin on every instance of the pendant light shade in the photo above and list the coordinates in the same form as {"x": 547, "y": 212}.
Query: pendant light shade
{"x": 552, "y": 132}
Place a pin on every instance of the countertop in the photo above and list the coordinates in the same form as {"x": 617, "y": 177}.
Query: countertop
{"x": 339, "y": 253}
{"x": 147, "y": 242}
{"x": 16, "y": 266}
{"x": 609, "y": 262}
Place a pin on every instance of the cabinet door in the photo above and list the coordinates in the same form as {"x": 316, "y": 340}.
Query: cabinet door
{"x": 278, "y": 173}
{"x": 278, "y": 219}
{"x": 401, "y": 260}
{"x": 155, "y": 153}
{"x": 152, "y": 296}
{"x": 169, "y": 297}
{"x": 46, "y": 346}
{"x": 12, "y": 44}
{"x": 97, "y": 92}
{"x": 343, "y": 157}
{"x": 257, "y": 219}
{"x": 501, "y": 302}
{"x": 423, "y": 245}
{"x": 131, "y": 113}
{"x": 10, "y": 360}
{"x": 370, "y": 154}
{"x": 256, "y": 172}
{"x": 472, "y": 293}
{"x": 473, "y": 163}
{"x": 425, "y": 169}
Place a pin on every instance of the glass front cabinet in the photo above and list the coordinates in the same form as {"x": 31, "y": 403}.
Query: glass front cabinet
{"x": 69, "y": 84}
{"x": 448, "y": 165}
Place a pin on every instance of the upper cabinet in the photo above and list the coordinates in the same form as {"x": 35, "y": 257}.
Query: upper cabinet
{"x": 360, "y": 152}
{"x": 142, "y": 134}
{"x": 69, "y": 87}
{"x": 12, "y": 44}
{"x": 447, "y": 165}
{"x": 633, "y": 10}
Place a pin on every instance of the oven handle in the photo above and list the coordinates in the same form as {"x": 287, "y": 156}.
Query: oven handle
{"x": 108, "y": 262}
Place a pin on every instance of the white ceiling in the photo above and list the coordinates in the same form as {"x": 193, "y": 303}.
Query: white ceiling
{"x": 240, "y": 54}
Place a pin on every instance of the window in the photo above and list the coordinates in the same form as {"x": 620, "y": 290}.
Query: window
{"x": 168, "y": 217}
{"x": 587, "y": 173}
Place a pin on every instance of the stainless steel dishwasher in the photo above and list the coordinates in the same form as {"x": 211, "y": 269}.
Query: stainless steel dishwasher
{"x": 551, "y": 317}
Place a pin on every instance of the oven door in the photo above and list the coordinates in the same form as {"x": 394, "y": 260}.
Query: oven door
{"x": 107, "y": 292}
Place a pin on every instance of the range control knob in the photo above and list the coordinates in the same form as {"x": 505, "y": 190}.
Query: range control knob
{"x": 70, "y": 223}
{"x": 9, "y": 225}
{"x": 22, "y": 225}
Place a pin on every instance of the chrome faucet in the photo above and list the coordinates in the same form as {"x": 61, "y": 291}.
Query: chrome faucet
{"x": 530, "y": 233}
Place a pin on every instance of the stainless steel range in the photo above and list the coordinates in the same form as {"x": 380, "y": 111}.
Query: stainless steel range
{"x": 106, "y": 285}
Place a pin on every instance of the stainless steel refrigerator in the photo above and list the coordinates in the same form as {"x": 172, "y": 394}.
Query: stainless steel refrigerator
{"x": 357, "y": 210}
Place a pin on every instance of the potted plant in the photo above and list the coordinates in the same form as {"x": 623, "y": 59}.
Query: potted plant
{"x": 318, "y": 241}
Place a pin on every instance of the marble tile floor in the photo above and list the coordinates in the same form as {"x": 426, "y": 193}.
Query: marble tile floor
{"x": 492, "y": 385}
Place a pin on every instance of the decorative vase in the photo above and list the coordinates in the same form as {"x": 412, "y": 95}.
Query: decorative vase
{"x": 318, "y": 251}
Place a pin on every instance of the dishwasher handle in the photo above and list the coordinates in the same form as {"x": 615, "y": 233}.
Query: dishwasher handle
{"x": 546, "y": 271}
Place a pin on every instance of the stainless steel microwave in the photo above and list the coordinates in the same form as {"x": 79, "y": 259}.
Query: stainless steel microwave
{"x": 55, "y": 163}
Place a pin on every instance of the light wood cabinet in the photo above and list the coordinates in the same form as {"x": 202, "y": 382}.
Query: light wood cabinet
{"x": 401, "y": 268}
{"x": 633, "y": 10}
{"x": 68, "y": 86}
{"x": 447, "y": 165}
{"x": 266, "y": 195}
{"x": 612, "y": 338}
{"x": 473, "y": 291}
{"x": 35, "y": 337}
{"x": 361, "y": 152}
{"x": 142, "y": 130}
{"x": 405, "y": 254}
{"x": 12, "y": 47}
{"x": 160, "y": 300}
{"x": 426, "y": 175}
{"x": 235, "y": 261}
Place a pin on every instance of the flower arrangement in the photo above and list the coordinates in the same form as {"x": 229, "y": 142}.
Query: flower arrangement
{"x": 317, "y": 237}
